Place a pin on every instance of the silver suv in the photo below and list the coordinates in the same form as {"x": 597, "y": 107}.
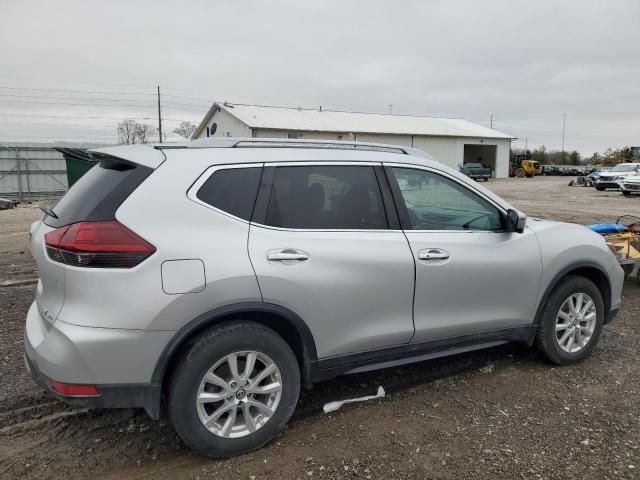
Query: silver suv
{"x": 225, "y": 274}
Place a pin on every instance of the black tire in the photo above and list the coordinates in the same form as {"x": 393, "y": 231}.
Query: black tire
{"x": 546, "y": 340}
{"x": 211, "y": 346}
{"x": 486, "y": 179}
{"x": 626, "y": 194}
{"x": 600, "y": 189}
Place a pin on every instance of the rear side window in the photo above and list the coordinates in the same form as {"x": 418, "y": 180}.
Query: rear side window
{"x": 326, "y": 197}
{"x": 99, "y": 193}
{"x": 232, "y": 190}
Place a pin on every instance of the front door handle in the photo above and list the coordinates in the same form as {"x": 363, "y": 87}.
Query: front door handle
{"x": 433, "y": 254}
{"x": 288, "y": 254}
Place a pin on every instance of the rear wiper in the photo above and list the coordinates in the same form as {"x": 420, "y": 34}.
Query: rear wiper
{"x": 48, "y": 211}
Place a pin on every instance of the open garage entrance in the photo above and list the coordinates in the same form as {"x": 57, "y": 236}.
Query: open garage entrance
{"x": 484, "y": 154}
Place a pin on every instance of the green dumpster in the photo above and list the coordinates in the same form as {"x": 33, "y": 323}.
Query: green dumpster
{"x": 76, "y": 168}
{"x": 78, "y": 161}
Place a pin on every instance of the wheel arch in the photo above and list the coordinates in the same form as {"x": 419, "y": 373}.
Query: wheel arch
{"x": 283, "y": 321}
{"x": 589, "y": 270}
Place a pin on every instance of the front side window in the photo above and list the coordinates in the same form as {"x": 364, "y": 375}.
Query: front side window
{"x": 232, "y": 190}
{"x": 435, "y": 202}
{"x": 326, "y": 197}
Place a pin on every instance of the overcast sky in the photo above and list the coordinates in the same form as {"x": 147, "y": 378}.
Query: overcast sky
{"x": 527, "y": 62}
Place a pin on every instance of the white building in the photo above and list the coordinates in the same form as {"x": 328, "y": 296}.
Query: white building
{"x": 450, "y": 141}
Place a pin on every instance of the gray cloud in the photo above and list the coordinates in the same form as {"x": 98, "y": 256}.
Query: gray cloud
{"x": 527, "y": 62}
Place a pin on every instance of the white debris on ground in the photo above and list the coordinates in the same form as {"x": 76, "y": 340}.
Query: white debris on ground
{"x": 333, "y": 406}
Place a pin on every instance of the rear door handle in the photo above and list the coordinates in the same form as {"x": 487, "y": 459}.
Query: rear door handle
{"x": 288, "y": 254}
{"x": 433, "y": 254}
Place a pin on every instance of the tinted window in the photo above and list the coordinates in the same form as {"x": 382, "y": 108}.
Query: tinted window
{"x": 232, "y": 190}
{"x": 326, "y": 197}
{"x": 435, "y": 202}
{"x": 98, "y": 194}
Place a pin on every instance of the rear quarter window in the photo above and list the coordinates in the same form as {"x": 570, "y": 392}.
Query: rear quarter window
{"x": 99, "y": 193}
{"x": 232, "y": 190}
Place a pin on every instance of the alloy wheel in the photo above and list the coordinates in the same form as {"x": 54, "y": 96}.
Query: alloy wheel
{"x": 575, "y": 322}
{"x": 239, "y": 394}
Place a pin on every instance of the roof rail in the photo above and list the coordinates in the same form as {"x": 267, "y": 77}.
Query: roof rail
{"x": 340, "y": 145}
{"x": 230, "y": 142}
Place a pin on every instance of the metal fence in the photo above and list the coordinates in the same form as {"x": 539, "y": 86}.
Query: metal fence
{"x": 30, "y": 173}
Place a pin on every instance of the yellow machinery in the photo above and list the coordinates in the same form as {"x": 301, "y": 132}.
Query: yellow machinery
{"x": 521, "y": 166}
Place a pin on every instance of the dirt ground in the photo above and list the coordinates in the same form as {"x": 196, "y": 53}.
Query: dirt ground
{"x": 500, "y": 413}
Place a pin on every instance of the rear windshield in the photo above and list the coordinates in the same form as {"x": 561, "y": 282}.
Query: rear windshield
{"x": 98, "y": 194}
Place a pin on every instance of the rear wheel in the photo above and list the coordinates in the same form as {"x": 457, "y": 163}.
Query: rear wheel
{"x": 626, "y": 194}
{"x": 571, "y": 321}
{"x": 234, "y": 390}
{"x": 600, "y": 189}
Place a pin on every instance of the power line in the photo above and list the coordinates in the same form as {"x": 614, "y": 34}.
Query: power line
{"x": 31, "y": 124}
{"x": 63, "y": 90}
{"x": 87, "y": 117}
{"x": 178, "y": 106}
{"x": 77, "y": 104}
{"x": 208, "y": 101}
{"x": 47, "y": 97}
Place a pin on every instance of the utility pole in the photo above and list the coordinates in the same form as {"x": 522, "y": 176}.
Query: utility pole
{"x": 391, "y": 108}
{"x": 564, "y": 121}
{"x": 526, "y": 145}
{"x": 491, "y": 121}
{"x": 159, "y": 117}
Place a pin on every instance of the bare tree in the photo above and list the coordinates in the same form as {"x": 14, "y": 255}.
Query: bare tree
{"x": 127, "y": 132}
{"x": 130, "y": 132}
{"x": 143, "y": 132}
{"x": 185, "y": 129}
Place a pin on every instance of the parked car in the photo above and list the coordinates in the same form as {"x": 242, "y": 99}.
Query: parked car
{"x": 225, "y": 274}
{"x": 613, "y": 177}
{"x": 476, "y": 171}
{"x": 630, "y": 185}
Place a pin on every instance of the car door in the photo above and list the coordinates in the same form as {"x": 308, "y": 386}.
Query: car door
{"x": 321, "y": 245}
{"x": 472, "y": 276}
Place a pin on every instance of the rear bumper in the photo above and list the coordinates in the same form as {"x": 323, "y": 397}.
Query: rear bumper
{"x": 76, "y": 355}
{"x": 109, "y": 396}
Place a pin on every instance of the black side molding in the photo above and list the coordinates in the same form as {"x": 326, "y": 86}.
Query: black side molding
{"x": 416, "y": 352}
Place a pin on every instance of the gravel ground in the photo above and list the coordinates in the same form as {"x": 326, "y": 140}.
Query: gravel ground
{"x": 499, "y": 413}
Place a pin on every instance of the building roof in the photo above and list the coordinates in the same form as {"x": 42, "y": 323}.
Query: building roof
{"x": 303, "y": 119}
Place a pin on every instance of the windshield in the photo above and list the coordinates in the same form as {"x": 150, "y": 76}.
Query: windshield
{"x": 624, "y": 167}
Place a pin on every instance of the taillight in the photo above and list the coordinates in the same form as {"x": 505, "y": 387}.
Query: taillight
{"x": 97, "y": 244}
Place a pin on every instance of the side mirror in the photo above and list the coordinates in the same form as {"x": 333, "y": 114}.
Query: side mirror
{"x": 516, "y": 221}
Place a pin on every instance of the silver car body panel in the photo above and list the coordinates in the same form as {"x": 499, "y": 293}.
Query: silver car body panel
{"x": 355, "y": 292}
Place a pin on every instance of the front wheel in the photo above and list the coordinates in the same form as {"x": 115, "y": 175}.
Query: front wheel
{"x": 571, "y": 321}
{"x": 600, "y": 189}
{"x": 234, "y": 389}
